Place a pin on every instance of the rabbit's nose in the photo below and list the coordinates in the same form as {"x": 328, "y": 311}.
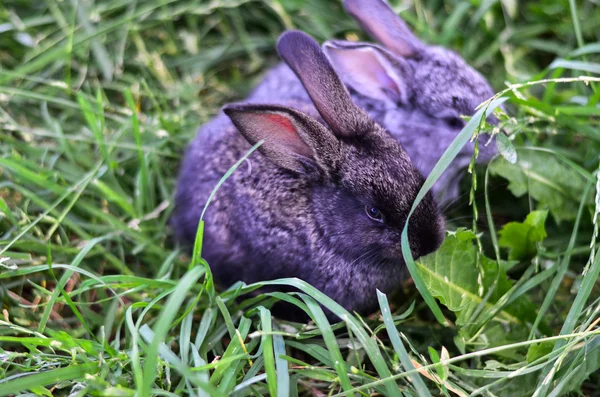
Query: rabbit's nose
{"x": 430, "y": 241}
{"x": 425, "y": 238}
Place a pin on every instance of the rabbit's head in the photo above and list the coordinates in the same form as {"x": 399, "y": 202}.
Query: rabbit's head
{"x": 420, "y": 90}
{"x": 362, "y": 182}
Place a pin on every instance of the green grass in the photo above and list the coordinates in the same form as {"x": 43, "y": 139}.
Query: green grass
{"x": 97, "y": 102}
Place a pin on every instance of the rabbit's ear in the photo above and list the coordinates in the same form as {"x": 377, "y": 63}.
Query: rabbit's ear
{"x": 329, "y": 95}
{"x": 378, "y": 19}
{"x": 370, "y": 70}
{"x": 292, "y": 140}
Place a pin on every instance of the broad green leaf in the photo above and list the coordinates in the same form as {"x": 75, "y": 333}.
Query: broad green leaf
{"x": 453, "y": 277}
{"x": 520, "y": 237}
{"x": 549, "y": 181}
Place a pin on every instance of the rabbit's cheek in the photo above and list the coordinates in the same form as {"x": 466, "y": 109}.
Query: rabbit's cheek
{"x": 392, "y": 253}
{"x": 395, "y": 121}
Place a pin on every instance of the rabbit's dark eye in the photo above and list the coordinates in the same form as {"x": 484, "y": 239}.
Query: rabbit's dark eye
{"x": 454, "y": 122}
{"x": 374, "y": 213}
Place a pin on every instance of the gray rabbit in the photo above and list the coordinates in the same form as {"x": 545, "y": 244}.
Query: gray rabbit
{"x": 417, "y": 92}
{"x": 325, "y": 199}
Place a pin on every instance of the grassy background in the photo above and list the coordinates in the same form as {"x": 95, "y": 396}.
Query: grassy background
{"x": 98, "y": 100}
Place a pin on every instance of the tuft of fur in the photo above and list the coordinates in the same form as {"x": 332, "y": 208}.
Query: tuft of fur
{"x": 299, "y": 210}
{"x": 417, "y": 92}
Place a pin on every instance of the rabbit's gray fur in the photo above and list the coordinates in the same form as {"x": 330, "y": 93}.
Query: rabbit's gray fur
{"x": 299, "y": 210}
{"x": 438, "y": 86}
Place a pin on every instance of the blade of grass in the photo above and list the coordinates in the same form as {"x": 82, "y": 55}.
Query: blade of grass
{"x": 576, "y": 24}
{"x": 368, "y": 343}
{"x": 329, "y": 338}
{"x": 267, "y": 352}
{"x": 72, "y": 372}
{"x": 562, "y": 269}
{"x": 576, "y": 65}
{"x": 398, "y": 345}
{"x": 143, "y": 195}
{"x": 281, "y": 366}
{"x": 66, "y": 276}
{"x": 98, "y": 49}
{"x": 162, "y": 326}
{"x": 461, "y": 140}
{"x": 58, "y": 52}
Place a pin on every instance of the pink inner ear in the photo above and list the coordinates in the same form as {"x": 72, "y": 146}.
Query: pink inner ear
{"x": 366, "y": 72}
{"x": 283, "y": 133}
{"x": 282, "y": 122}
{"x": 386, "y": 82}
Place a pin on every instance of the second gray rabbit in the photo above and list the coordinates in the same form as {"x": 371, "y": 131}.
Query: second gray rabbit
{"x": 417, "y": 92}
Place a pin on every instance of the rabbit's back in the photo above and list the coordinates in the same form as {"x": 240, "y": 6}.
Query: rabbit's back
{"x": 279, "y": 84}
{"x": 199, "y": 173}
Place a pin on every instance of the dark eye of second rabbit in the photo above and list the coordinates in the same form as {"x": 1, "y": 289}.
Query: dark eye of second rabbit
{"x": 374, "y": 213}
{"x": 455, "y": 122}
